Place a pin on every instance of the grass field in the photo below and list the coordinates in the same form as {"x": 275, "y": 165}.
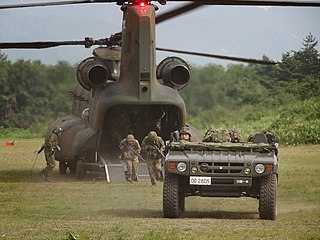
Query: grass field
{"x": 33, "y": 209}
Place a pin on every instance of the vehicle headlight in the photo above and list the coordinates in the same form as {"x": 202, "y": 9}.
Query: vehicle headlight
{"x": 194, "y": 170}
{"x": 259, "y": 168}
{"x": 181, "y": 166}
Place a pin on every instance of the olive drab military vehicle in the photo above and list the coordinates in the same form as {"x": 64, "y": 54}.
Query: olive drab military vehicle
{"x": 222, "y": 166}
{"x": 121, "y": 90}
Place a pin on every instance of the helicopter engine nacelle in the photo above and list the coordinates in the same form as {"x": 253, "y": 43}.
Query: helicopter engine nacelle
{"x": 174, "y": 72}
{"x": 93, "y": 72}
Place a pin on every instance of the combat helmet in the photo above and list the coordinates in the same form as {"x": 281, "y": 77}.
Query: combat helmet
{"x": 152, "y": 135}
{"x": 130, "y": 137}
{"x": 185, "y": 130}
{"x": 184, "y": 134}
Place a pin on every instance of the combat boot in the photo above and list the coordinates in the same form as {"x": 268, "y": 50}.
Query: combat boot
{"x": 129, "y": 179}
{"x": 43, "y": 176}
{"x": 153, "y": 183}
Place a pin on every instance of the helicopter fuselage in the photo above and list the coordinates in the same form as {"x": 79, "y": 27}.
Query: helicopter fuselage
{"x": 135, "y": 102}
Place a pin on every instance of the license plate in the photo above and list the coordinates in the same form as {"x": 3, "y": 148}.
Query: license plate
{"x": 200, "y": 180}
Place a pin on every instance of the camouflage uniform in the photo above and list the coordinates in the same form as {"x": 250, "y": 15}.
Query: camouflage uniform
{"x": 130, "y": 156}
{"x": 49, "y": 148}
{"x": 153, "y": 157}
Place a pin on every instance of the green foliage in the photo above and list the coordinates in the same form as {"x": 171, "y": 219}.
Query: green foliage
{"x": 292, "y": 124}
{"x": 247, "y": 119}
{"x": 296, "y": 65}
{"x": 215, "y": 86}
{"x": 255, "y": 98}
{"x": 34, "y": 131}
{"x": 299, "y": 123}
{"x": 32, "y": 93}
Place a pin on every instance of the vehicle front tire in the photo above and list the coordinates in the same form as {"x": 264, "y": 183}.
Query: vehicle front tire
{"x": 268, "y": 197}
{"x": 182, "y": 202}
{"x": 171, "y": 197}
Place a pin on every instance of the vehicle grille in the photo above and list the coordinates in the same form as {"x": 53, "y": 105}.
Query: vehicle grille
{"x": 221, "y": 167}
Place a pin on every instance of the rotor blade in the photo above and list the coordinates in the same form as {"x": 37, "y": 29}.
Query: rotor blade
{"x": 88, "y": 42}
{"x": 177, "y": 11}
{"x": 279, "y": 3}
{"x": 38, "y": 45}
{"x": 44, "y": 4}
{"x": 238, "y": 59}
{"x": 200, "y": 2}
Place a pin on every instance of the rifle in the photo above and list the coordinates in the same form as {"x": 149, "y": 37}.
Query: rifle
{"x": 158, "y": 150}
{"x": 134, "y": 151}
{"x": 39, "y": 150}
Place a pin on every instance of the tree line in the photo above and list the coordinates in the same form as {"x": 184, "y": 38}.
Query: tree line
{"x": 283, "y": 98}
{"x": 32, "y": 92}
{"x": 295, "y": 78}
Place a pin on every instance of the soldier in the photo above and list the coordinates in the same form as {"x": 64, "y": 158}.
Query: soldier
{"x": 50, "y": 145}
{"x": 130, "y": 148}
{"x": 184, "y": 135}
{"x": 153, "y": 146}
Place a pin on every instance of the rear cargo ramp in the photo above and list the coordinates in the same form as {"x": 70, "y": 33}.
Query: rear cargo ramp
{"x": 114, "y": 169}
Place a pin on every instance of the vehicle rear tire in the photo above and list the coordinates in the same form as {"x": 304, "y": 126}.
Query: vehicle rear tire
{"x": 268, "y": 197}
{"x": 80, "y": 171}
{"x": 62, "y": 167}
{"x": 171, "y": 197}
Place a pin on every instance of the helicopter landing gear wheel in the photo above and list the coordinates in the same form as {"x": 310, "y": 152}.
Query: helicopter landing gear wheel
{"x": 80, "y": 171}
{"x": 62, "y": 167}
{"x": 73, "y": 168}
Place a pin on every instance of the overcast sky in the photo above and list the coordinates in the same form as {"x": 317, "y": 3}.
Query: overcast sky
{"x": 236, "y": 31}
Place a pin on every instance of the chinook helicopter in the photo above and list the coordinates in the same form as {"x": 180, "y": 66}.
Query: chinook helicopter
{"x": 121, "y": 90}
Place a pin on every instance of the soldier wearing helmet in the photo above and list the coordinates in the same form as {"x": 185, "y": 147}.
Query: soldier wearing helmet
{"x": 184, "y": 134}
{"x": 153, "y": 147}
{"x": 50, "y": 145}
{"x": 130, "y": 149}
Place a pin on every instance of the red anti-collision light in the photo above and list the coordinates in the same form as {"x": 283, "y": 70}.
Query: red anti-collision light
{"x": 172, "y": 165}
{"x": 269, "y": 167}
{"x": 141, "y": 3}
